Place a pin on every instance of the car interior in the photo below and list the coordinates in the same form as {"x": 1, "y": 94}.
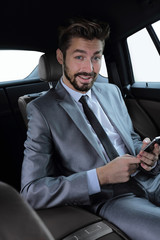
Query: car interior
{"x": 32, "y": 26}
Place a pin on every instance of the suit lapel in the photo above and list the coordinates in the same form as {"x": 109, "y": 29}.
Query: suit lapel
{"x": 71, "y": 108}
{"x": 114, "y": 118}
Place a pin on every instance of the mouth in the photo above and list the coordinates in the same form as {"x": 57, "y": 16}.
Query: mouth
{"x": 85, "y": 77}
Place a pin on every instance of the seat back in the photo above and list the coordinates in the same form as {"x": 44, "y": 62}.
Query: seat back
{"x": 49, "y": 71}
{"x": 17, "y": 219}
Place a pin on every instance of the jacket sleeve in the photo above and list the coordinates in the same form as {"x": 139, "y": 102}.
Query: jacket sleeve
{"x": 41, "y": 184}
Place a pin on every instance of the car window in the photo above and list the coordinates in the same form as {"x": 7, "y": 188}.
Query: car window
{"x": 156, "y": 27}
{"x": 16, "y": 65}
{"x": 145, "y": 58}
{"x": 103, "y": 70}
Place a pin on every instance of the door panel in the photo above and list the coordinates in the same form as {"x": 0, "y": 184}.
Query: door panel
{"x": 142, "y": 122}
{"x": 12, "y": 129}
{"x": 143, "y": 105}
{"x": 152, "y": 108}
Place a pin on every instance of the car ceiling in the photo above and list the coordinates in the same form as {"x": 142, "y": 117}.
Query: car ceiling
{"x": 32, "y": 25}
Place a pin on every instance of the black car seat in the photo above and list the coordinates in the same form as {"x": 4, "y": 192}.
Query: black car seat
{"x": 49, "y": 71}
{"x": 17, "y": 219}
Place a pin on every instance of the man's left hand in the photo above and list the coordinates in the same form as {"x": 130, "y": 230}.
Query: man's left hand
{"x": 148, "y": 160}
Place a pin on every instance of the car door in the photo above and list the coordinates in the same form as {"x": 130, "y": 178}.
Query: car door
{"x": 136, "y": 70}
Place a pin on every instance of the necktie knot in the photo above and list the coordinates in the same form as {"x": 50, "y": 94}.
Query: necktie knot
{"x": 83, "y": 99}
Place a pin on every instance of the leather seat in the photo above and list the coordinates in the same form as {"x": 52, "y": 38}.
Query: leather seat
{"x": 17, "y": 219}
{"x": 49, "y": 71}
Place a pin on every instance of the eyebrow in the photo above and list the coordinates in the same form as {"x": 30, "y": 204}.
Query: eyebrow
{"x": 82, "y": 51}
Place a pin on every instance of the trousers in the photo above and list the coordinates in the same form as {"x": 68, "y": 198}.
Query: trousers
{"x": 137, "y": 214}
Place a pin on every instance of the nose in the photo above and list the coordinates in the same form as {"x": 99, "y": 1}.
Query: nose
{"x": 88, "y": 66}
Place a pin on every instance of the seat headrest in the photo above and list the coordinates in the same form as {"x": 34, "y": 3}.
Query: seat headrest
{"x": 48, "y": 68}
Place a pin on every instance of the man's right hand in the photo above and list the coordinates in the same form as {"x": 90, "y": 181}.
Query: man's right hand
{"x": 118, "y": 170}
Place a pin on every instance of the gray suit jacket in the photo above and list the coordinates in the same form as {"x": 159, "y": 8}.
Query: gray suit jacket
{"x": 60, "y": 147}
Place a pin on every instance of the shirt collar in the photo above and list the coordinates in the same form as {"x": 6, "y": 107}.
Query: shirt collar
{"x": 75, "y": 95}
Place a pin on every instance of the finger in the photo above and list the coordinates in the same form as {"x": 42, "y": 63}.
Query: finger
{"x": 145, "y": 142}
{"x": 156, "y": 149}
{"x": 145, "y": 155}
{"x": 133, "y": 168}
{"x": 148, "y": 156}
{"x": 146, "y": 167}
{"x": 134, "y": 160}
{"x": 149, "y": 161}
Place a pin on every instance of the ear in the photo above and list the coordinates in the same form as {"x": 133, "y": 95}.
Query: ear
{"x": 59, "y": 55}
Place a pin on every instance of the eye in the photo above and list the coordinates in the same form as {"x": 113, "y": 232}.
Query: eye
{"x": 97, "y": 58}
{"x": 79, "y": 57}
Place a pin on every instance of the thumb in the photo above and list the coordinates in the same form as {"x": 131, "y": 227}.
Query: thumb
{"x": 145, "y": 142}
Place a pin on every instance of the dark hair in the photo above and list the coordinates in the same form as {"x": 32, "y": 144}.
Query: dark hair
{"x": 83, "y": 28}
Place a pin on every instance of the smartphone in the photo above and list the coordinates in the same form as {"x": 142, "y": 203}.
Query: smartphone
{"x": 150, "y": 146}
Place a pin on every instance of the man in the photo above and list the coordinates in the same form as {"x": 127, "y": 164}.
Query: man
{"x": 64, "y": 160}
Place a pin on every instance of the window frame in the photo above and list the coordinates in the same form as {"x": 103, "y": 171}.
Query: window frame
{"x": 128, "y": 60}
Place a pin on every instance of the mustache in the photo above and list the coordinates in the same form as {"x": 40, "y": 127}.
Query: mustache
{"x": 92, "y": 74}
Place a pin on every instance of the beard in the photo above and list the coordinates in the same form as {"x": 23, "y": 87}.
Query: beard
{"x": 72, "y": 79}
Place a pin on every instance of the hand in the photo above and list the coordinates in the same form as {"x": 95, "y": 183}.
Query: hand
{"x": 118, "y": 170}
{"x": 148, "y": 160}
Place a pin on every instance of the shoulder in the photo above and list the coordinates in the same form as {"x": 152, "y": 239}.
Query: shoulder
{"x": 107, "y": 88}
{"x": 110, "y": 93}
{"x": 46, "y": 98}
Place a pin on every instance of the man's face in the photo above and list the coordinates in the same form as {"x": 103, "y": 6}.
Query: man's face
{"x": 82, "y": 63}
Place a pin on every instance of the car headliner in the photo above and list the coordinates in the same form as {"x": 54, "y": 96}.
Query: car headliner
{"x": 32, "y": 24}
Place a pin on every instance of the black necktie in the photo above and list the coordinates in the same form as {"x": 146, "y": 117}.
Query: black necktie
{"x": 102, "y": 135}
